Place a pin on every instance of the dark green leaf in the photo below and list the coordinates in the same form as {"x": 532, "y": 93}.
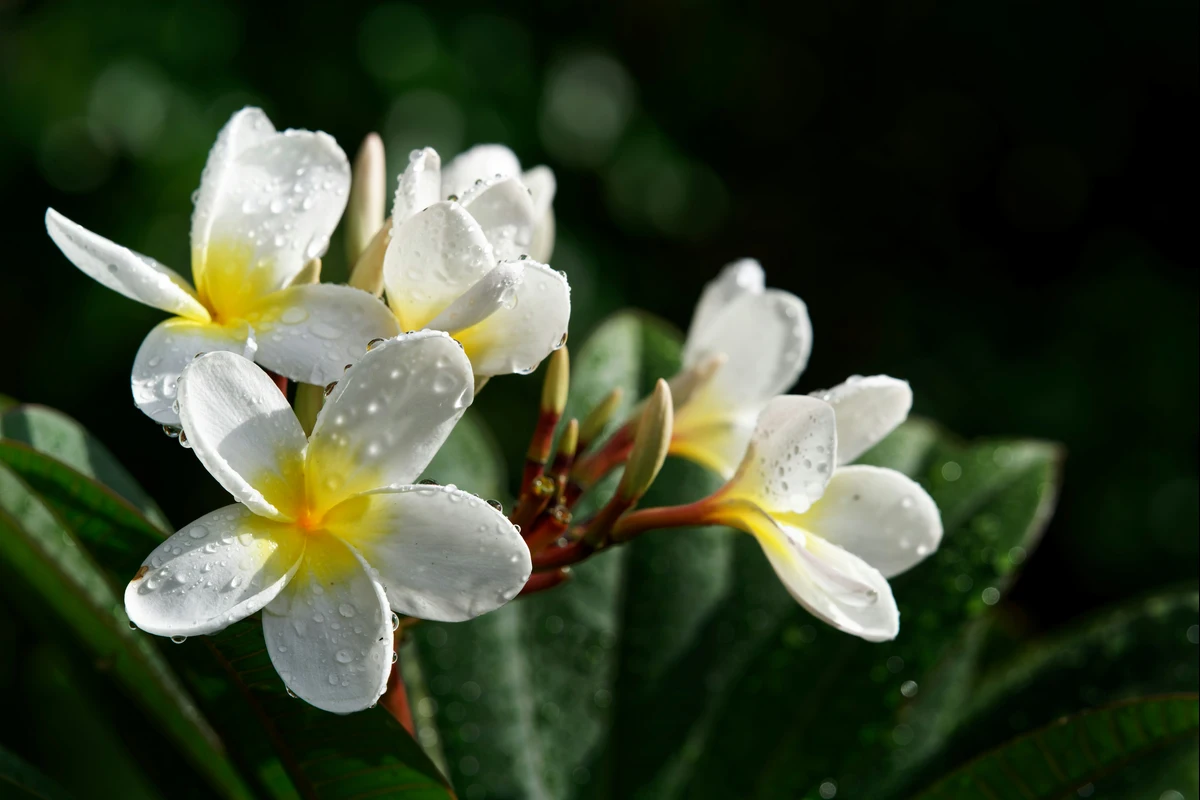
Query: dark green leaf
{"x": 470, "y": 460}
{"x": 61, "y": 575}
{"x": 57, "y": 435}
{"x": 1138, "y": 649}
{"x": 1074, "y": 751}
{"x": 19, "y": 780}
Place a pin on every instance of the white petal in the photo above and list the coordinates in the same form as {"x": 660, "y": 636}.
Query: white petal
{"x": 487, "y": 296}
{"x": 329, "y": 633}
{"x": 504, "y": 209}
{"x": 218, "y": 570}
{"x": 267, "y": 205}
{"x": 542, "y": 187}
{"x": 718, "y": 444}
{"x": 766, "y": 339}
{"x": 834, "y": 585}
{"x": 168, "y": 348}
{"x": 790, "y": 457}
{"x": 132, "y": 274}
{"x": 739, "y": 278}
{"x": 867, "y": 409}
{"x": 520, "y": 334}
{"x": 433, "y": 258}
{"x": 420, "y": 185}
{"x": 387, "y": 417}
{"x": 442, "y": 553}
{"x": 482, "y": 162}
{"x": 879, "y": 515}
{"x": 310, "y": 333}
{"x": 244, "y": 432}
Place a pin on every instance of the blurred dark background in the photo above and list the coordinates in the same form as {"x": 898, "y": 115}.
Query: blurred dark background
{"x": 994, "y": 200}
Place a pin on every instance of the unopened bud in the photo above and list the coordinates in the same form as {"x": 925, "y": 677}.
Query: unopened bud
{"x": 593, "y": 424}
{"x": 650, "y": 445}
{"x": 558, "y": 381}
{"x": 367, "y": 204}
{"x": 367, "y": 273}
{"x": 309, "y": 273}
{"x": 569, "y": 441}
{"x": 687, "y": 383}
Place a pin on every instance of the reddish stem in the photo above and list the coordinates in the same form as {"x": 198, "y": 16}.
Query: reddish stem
{"x": 540, "y": 581}
{"x": 395, "y": 699}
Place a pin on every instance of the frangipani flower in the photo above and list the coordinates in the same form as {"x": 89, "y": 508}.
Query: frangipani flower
{"x": 328, "y": 532}
{"x": 461, "y": 266}
{"x": 266, "y": 206}
{"x": 746, "y": 345}
{"x": 834, "y": 535}
{"x": 488, "y": 162}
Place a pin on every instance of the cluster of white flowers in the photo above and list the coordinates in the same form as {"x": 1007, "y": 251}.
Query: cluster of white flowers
{"x": 329, "y": 538}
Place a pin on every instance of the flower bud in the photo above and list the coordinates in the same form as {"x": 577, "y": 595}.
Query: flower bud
{"x": 687, "y": 383}
{"x": 367, "y": 204}
{"x": 568, "y": 442}
{"x": 593, "y": 424}
{"x": 650, "y": 445}
{"x": 310, "y": 273}
{"x": 558, "y": 381}
{"x": 367, "y": 273}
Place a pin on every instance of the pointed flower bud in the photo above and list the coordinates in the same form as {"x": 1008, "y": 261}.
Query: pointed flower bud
{"x": 367, "y": 273}
{"x": 558, "y": 381}
{"x": 649, "y": 446}
{"x": 569, "y": 441}
{"x": 365, "y": 210}
{"x": 593, "y": 424}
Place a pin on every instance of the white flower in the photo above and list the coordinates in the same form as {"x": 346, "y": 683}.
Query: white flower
{"x": 758, "y": 341}
{"x": 833, "y": 534}
{"x": 488, "y": 162}
{"x": 462, "y": 266}
{"x": 266, "y": 206}
{"x": 328, "y": 532}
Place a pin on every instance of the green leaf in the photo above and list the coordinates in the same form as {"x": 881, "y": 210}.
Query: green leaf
{"x": 19, "y": 780}
{"x": 57, "y": 435}
{"x": 1074, "y": 751}
{"x": 60, "y": 574}
{"x": 524, "y": 698}
{"x": 470, "y": 459}
{"x": 1137, "y": 649}
{"x": 6, "y": 403}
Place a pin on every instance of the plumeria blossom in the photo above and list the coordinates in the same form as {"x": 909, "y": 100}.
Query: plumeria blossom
{"x": 267, "y": 204}
{"x": 329, "y": 533}
{"x": 462, "y": 265}
{"x": 834, "y": 535}
{"x": 746, "y": 345}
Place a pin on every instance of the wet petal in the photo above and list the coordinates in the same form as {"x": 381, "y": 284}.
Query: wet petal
{"x": 329, "y": 633}
{"x": 419, "y": 187}
{"x": 491, "y": 293}
{"x": 168, "y": 348}
{"x": 524, "y": 331}
{"x": 310, "y": 333}
{"x": 387, "y": 417}
{"x": 220, "y": 569}
{"x": 442, "y": 553}
{"x": 482, "y": 162}
{"x": 766, "y": 338}
{"x": 542, "y": 186}
{"x": 433, "y": 258}
{"x": 504, "y": 209}
{"x": 267, "y": 205}
{"x": 244, "y": 432}
{"x": 132, "y": 274}
{"x": 742, "y": 277}
{"x": 867, "y": 409}
{"x": 879, "y": 515}
{"x": 790, "y": 457}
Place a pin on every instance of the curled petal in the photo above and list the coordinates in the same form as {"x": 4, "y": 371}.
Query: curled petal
{"x": 433, "y": 259}
{"x": 220, "y": 569}
{"x": 790, "y": 457}
{"x": 524, "y": 331}
{"x": 310, "y": 333}
{"x": 329, "y": 632}
{"x": 134, "y": 275}
{"x": 867, "y": 409}
{"x": 542, "y": 186}
{"x": 879, "y": 515}
{"x": 387, "y": 417}
{"x": 168, "y": 348}
{"x": 419, "y": 187}
{"x": 267, "y": 205}
{"x": 490, "y": 293}
{"x": 482, "y": 162}
{"x": 244, "y": 432}
{"x": 442, "y": 553}
{"x": 504, "y": 209}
